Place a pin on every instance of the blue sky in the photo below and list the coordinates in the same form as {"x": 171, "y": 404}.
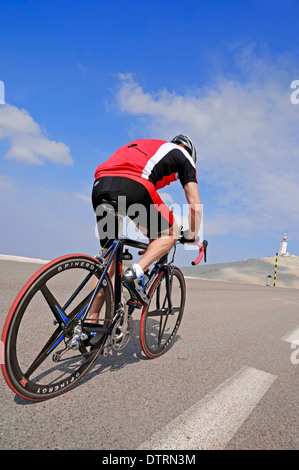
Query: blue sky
{"x": 83, "y": 78}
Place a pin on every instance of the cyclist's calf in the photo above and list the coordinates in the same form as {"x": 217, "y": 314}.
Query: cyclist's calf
{"x": 159, "y": 247}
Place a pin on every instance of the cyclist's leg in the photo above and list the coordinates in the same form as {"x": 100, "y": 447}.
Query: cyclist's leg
{"x": 107, "y": 228}
{"x": 161, "y": 228}
{"x": 163, "y": 231}
{"x": 159, "y": 246}
{"x": 100, "y": 298}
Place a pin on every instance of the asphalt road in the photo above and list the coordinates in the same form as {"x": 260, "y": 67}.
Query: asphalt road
{"x": 230, "y": 381}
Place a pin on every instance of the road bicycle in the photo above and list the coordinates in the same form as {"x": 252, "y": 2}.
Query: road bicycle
{"x": 48, "y": 341}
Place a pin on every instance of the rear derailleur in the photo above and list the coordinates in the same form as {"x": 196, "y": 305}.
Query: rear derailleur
{"x": 73, "y": 337}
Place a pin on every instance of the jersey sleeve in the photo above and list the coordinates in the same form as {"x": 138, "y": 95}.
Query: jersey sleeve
{"x": 186, "y": 168}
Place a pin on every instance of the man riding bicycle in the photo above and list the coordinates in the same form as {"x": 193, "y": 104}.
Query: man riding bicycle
{"x": 136, "y": 171}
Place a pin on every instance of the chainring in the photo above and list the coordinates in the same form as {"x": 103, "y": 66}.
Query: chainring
{"x": 119, "y": 339}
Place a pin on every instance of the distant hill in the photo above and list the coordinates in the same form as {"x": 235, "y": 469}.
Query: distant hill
{"x": 251, "y": 271}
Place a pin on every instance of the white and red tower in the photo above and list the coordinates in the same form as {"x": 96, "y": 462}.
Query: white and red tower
{"x": 283, "y": 246}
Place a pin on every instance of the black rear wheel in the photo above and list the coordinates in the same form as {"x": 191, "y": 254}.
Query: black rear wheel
{"x": 45, "y": 320}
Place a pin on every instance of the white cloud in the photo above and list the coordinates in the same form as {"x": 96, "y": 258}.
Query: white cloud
{"x": 83, "y": 198}
{"x": 44, "y": 223}
{"x": 246, "y": 133}
{"x": 27, "y": 143}
{"x": 8, "y": 186}
{"x": 166, "y": 197}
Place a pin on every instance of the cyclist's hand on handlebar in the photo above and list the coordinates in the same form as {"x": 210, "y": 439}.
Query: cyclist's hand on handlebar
{"x": 186, "y": 237}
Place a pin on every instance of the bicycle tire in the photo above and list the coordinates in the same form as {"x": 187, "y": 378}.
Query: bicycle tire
{"x": 26, "y": 341}
{"x": 158, "y": 325}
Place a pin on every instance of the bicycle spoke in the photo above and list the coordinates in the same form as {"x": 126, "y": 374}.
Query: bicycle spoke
{"x": 157, "y": 313}
{"x": 59, "y": 312}
{"x": 50, "y": 345}
{"x": 160, "y": 334}
{"x": 77, "y": 291}
{"x": 161, "y": 330}
{"x": 79, "y": 310}
{"x": 56, "y": 309}
{"x": 160, "y": 312}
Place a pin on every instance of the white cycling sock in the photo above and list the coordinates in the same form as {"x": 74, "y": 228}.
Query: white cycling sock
{"x": 138, "y": 270}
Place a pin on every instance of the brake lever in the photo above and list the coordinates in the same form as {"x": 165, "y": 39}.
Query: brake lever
{"x": 202, "y": 252}
{"x": 205, "y": 245}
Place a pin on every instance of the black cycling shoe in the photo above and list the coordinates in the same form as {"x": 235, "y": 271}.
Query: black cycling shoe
{"x": 135, "y": 286}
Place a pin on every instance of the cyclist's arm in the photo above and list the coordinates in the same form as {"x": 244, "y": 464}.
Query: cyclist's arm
{"x": 195, "y": 208}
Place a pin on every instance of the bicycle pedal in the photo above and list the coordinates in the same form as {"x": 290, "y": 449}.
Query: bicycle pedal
{"x": 96, "y": 339}
{"x": 134, "y": 303}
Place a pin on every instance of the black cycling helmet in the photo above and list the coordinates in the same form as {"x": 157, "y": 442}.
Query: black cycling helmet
{"x": 187, "y": 143}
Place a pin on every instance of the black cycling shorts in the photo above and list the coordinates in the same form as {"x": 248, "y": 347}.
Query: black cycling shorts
{"x": 140, "y": 203}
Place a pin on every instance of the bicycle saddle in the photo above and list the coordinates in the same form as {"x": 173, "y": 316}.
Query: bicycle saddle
{"x": 111, "y": 205}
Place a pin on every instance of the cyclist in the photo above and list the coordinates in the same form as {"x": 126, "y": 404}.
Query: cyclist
{"x": 136, "y": 171}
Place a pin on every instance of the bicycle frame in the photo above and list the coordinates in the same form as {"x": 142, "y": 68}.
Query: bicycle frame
{"x": 114, "y": 252}
{"x": 76, "y": 329}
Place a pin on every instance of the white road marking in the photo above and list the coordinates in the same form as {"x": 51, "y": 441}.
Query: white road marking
{"x": 292, "y": 337}
{"x": 212, "y": 422}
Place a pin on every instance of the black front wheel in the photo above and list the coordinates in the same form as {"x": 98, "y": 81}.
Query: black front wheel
{"x": 161, "y": 319}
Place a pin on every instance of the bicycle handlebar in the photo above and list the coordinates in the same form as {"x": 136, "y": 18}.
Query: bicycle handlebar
{"x": 202, "y": 252}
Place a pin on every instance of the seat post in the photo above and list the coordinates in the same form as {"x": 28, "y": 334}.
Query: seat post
{"x": 118, "y": 211}
{"x": 120, "y": 224}
{"x": 121, "y": 213}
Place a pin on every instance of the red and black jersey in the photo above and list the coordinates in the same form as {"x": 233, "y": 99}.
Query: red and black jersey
{"x": 156, "y": 161}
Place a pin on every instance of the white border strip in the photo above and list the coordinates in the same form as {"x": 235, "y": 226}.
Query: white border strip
{"x": 22, "y": 259}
